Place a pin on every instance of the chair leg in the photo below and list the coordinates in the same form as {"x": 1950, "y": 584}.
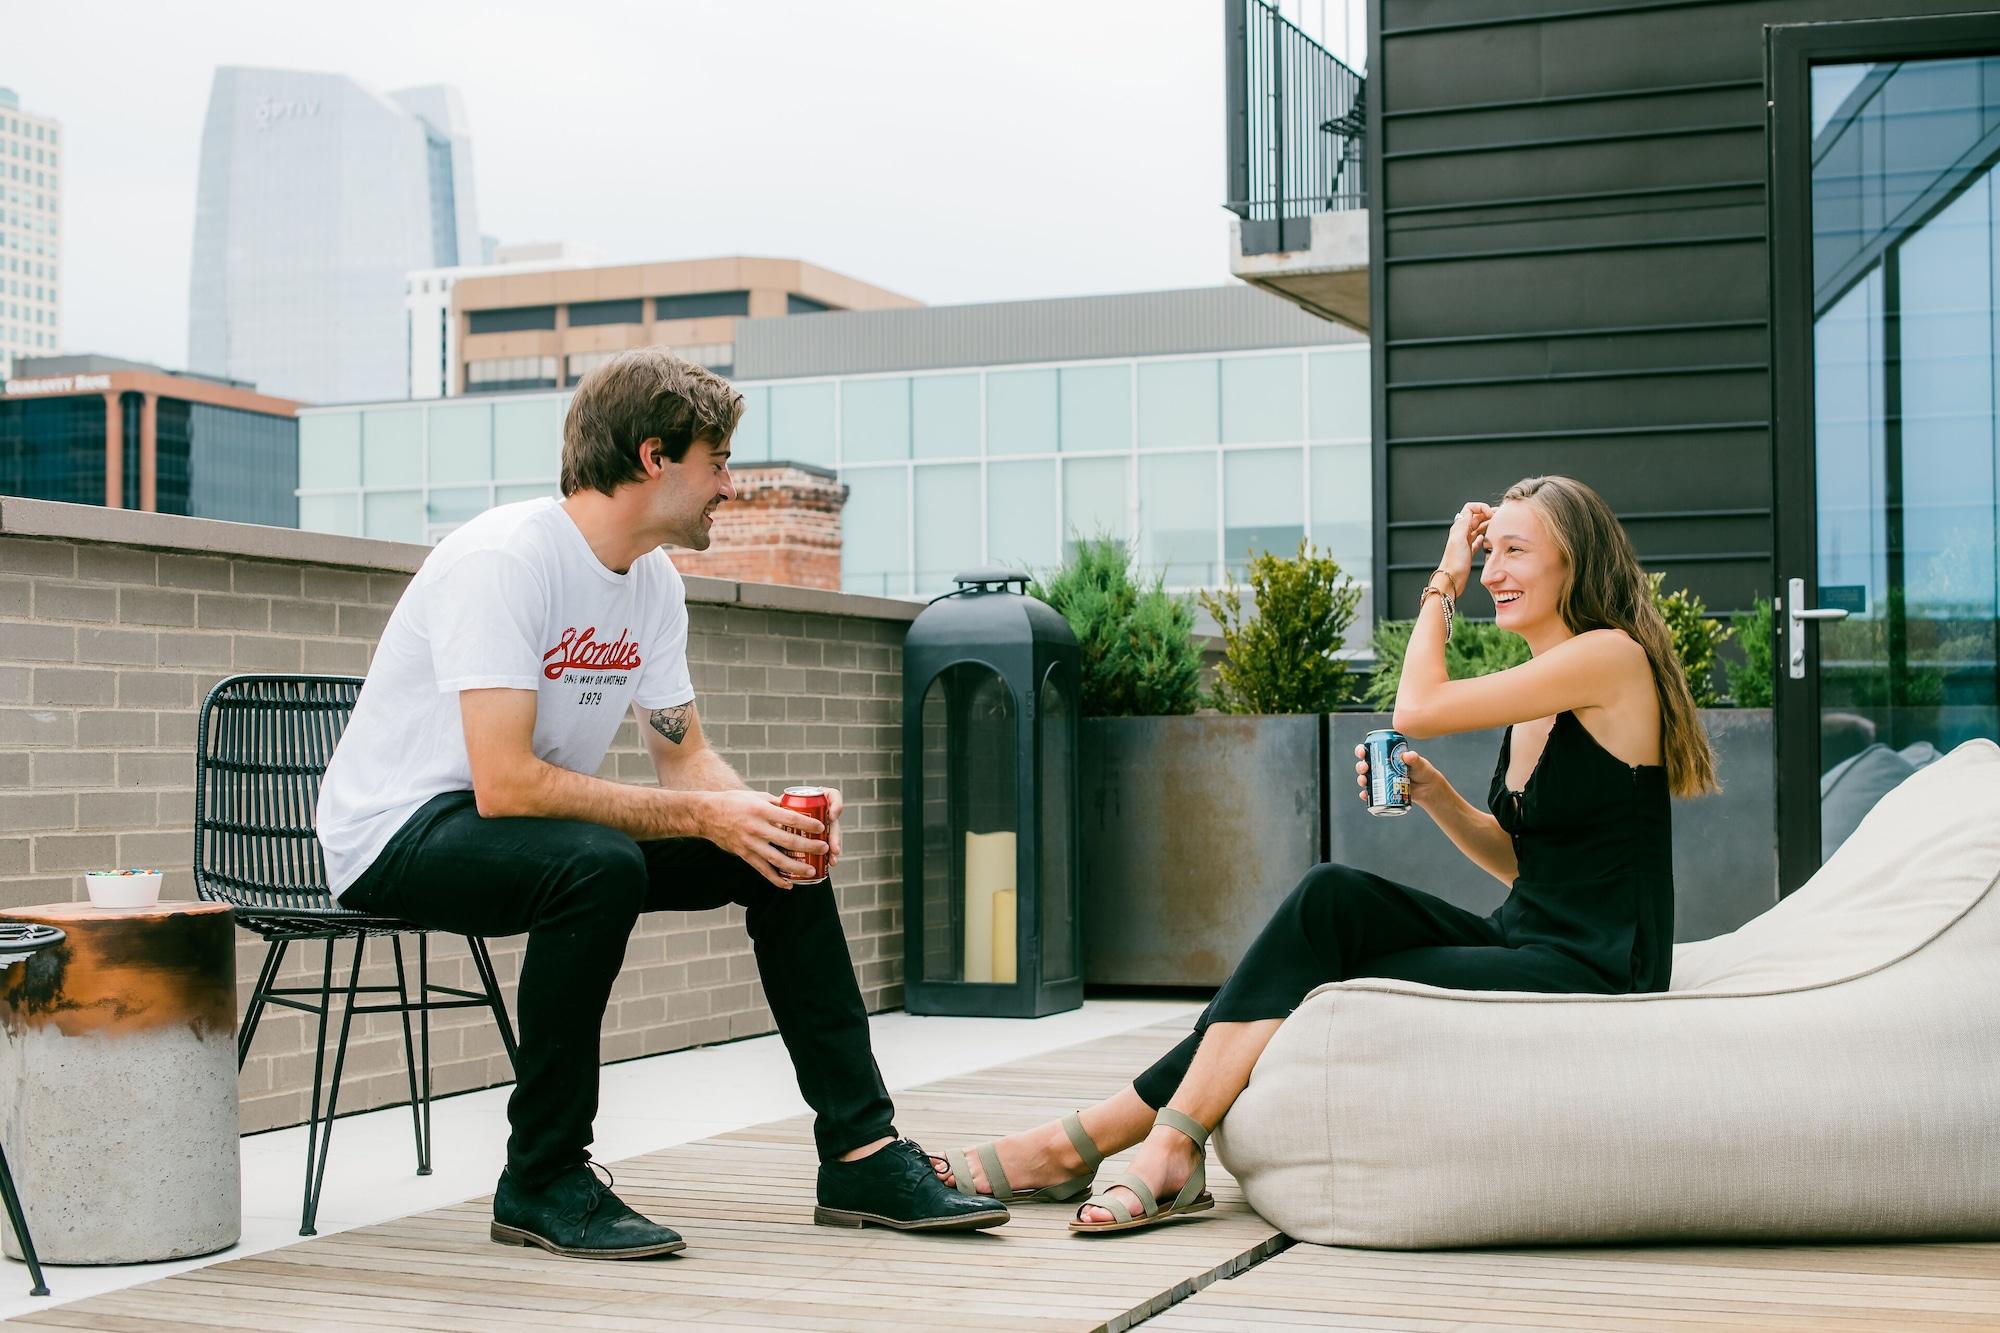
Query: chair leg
{"x": 484, "y": 962}
{"x": 274, "y": 958}
{"x": 316, "y": 1176}
{"x": 410, "y": 1060}
{"x": 424, "y": 1018}
{"x": 19, "y": 1221}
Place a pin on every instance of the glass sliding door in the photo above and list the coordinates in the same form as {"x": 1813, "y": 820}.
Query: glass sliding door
{"x": 1886, "y": 262}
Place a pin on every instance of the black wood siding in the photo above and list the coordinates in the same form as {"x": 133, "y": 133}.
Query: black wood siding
{"x": 1569, "y": 273}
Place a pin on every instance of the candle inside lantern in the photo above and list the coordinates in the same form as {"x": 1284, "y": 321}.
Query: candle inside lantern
{"x": 989, "y": 873}
{"x": 1003, "y": 937}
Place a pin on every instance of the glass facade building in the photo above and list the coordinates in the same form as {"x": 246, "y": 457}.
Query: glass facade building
{"x": 317, "y": 196}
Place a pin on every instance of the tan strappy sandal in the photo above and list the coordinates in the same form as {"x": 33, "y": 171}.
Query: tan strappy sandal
{"x": 1193, "y": 1198}
{"x": 1061, "y": 1192}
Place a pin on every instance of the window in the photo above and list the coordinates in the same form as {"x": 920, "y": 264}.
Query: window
{"x": 701, "y": 305}
{"x": 874, "y": 526}
{"x": 1338, "y": 384}
{"x": 1177, "y": 404}
{"x": 1096, "y": 408}
{"x": 518, "y": 319}
{"x": 329, "y": 451}
{"x": 396, "y": 516}
{"x": 1021, "y": 528}
{"x": 586, "y": 314}
{"x": 804, "y": 305}
{"x": 1343, "y": 505}
{"x": 498, "y": 374}
{"x": 1263, "y": 399}
{"x": 527, "y": 437}
{"x": 461, "y": 443}
{"x": 392, "y": 447}
{"x": 1263, "y": 502}
{"x": 1177, "y": 518}
{"x": 578, "y": 364}
{"x": 454, "y": 506}
{"x": 329, "y": 513}
{"x": 752, "y": 441}
{"x": 1021, "y": 412}
{"x": 947, "y": 513}
{"x": 874, "y": 420}
{"x": 1096, "y": 499}
{"x": 506, "y": 495}
{"x": 802, "y": 423}
{"x": 944, "y": 416}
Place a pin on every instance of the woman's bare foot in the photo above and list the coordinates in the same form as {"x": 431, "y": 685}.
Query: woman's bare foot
{"x": 1031, "y": 1159}
{"x": 1164, "y": 1161}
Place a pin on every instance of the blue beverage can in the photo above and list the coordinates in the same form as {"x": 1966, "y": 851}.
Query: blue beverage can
{"x": 1388, "y": 775}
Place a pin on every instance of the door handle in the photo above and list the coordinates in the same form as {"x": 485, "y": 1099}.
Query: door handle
{"x": 1796, "y": 618}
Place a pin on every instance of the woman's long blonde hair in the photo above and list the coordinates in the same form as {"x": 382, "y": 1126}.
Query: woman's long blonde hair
{"x": 1607, "y": 589}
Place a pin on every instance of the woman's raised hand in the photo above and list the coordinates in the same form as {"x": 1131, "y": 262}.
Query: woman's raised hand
{"x": 1426, "y": 783}
{"x": 1468, "y": 530}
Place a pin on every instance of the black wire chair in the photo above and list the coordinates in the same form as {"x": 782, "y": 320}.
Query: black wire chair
{"x": 20, "y": 941}
{"x": 261, "y": 748}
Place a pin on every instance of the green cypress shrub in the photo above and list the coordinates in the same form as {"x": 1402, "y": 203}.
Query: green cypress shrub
{"x": 1283, "y": 659}
{"x": 1138, "y": 648}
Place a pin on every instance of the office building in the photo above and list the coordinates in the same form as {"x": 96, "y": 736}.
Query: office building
{"x": 31, "y": 165}
{"x": 432, "y": 331}
{"x": 318, "y": 196}
{"x": 99, "y": 430}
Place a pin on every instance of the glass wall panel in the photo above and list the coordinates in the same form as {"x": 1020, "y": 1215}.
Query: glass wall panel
{"x": 874, "y": 420}
{"x": 1096, "y": 408}
{"x": 1263, "y": 504}
{"x": 944, "y": 416}
{"x": 461, "y": 446}
{"x": 396, "y": 516}
{"x": 874, "y": 531}
{"x": 947, "y": 525}
{"x": 527, "y": 438}
{"x": 1343, "y": 506}
{"x": 1021, "y": 531}
{"x": 1263, "y": 399}
{"x": 1178, "y": 404}
{"x": 752, "y": 441}
{"x": 329, "y": 451}
{"x": 330, "y": 513}
{"x": 1021, "y": 412}
{"x": 456, "y": 505}
{"x": 506, "y": 495}
{"x": 1096, "y": 500}
{"x": 1177, "y": 518}
{"x": 1338, "y": 385}
{"x": 802, "y": 423}
{"x": 392, "y": 447}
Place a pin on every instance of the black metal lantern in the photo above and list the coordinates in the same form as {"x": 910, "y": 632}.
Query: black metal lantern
{"x": 991, "y": 866}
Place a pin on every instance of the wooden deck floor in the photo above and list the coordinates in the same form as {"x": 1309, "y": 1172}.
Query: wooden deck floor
{"x": 1624, "y": 1290}
{"x": 754, "y": 1260}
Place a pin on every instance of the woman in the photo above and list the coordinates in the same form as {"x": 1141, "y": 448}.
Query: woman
{"x": 1601, "y": 732}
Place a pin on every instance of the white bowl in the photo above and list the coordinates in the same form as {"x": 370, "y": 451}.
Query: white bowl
{"x": 113, "y": 889}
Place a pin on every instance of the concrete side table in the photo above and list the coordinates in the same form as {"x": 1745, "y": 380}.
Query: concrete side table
{"x": 118, "y": 1100}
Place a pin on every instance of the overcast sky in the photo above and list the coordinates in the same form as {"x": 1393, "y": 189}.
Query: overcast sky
{"x": 953, "y": 152}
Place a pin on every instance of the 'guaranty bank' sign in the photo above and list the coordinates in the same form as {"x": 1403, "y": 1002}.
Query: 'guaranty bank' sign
{"x": 59, "y": 384}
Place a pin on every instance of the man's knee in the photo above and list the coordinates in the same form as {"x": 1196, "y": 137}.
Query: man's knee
{"x": 606, "y": 872}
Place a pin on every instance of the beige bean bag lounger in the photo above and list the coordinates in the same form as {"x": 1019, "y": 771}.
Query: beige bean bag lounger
{"x": 1829, "y": 1071}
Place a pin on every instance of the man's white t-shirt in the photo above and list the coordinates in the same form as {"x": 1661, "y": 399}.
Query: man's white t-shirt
{"x": 516, "y": 600}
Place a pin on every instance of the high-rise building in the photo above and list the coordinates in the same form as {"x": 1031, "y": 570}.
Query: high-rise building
{"x": 30, "y": 233}
{"x": 318, "y": 194}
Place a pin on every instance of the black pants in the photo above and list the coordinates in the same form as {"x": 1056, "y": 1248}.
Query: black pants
{"x": 1341, "y": 923}
{"x": 577, "y": 889}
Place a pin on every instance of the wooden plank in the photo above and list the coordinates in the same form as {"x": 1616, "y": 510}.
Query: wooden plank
{"x": 1622, "y": 1290}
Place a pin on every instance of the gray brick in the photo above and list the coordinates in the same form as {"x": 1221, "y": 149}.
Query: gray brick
{"x": 267, "y": 580}
{"x": 16, "y": 597}
{"x": 57, "y": 686}
{"x": 155, "y": 768}
{"x": 387, "y": 589}
{"x": 787, "y": 680}
{"x": 155, "y": 689}
{"x": 55, "y": 600}
{"x": 790, "y": 624}
{"x": 24, "y": 555}
{"x": 803, "y": 652}
{"x": 120, "y": 809}
{"x": 23, "y": 812}
{"x": 208, "y": 573}
{"x": 118, "y": 647}
{"x": 335, "y": 585}
{"x": 176, "y": 808}
{"x": 738, "y": 621}
{"x": 17, "y": 684}
{"x": 155, "y": 606}
{"x": 177, "y": 729}
{"x": 291, "y": 616}
{"x": 763, "y": 651}
{"x": 747, "y": 679}
{"x": 117, "y": 564}
{"x": 76, "y": 851}
{"x": 255, "y": 652}
{"x": 73, "y": 768}
{"x": 195, "y": 650}
{"x": 114, "y": 729}
{"x": 16, "y": 893}
{"x": 220, "y": 611}
{"x": 38, "y": 643}
{"x": 37, "y": 726}
{"x": 173, "y": 848}
{"x": 340, "y": 657}
{"x": 805, "y": 708}
{"x": 14, "y": 768}
{"x": 362, "y": 622}
{"x": 14, "y": 856}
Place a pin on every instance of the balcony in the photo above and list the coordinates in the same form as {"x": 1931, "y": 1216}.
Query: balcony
{"x": 1296, "y": 131}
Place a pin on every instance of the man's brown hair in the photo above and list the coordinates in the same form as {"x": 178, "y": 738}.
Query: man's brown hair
{"x": 646, "y": 393}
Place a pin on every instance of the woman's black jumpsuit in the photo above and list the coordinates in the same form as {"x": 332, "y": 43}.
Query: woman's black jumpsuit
{"x": 1592, "y": 909}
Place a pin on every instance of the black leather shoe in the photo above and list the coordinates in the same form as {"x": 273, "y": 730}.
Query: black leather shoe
{"x": 577, "y": 1215}
{"x": 897, "y": 1186}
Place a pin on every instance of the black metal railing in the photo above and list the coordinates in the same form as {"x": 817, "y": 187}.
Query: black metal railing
{"x": 1296, "y": 126}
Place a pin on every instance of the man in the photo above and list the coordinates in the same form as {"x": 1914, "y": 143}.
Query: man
{"x": 462, "y": 798}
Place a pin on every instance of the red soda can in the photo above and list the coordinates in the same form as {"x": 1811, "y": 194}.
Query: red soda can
{"x": 813, "y": 803}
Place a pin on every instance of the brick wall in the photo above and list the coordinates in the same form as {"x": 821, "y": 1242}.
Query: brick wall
{"x": 114, "y": 625}
{"x": 782, "y": 527}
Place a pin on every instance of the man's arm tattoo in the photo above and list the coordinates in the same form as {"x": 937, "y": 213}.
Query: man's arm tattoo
{"x": 672, "y": 722}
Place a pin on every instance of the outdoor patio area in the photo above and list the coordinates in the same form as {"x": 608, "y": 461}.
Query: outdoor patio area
{"x": 703, "y": 1140}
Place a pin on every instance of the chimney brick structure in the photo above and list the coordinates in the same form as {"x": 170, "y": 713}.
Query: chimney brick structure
{"x": 782, "y": 527}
